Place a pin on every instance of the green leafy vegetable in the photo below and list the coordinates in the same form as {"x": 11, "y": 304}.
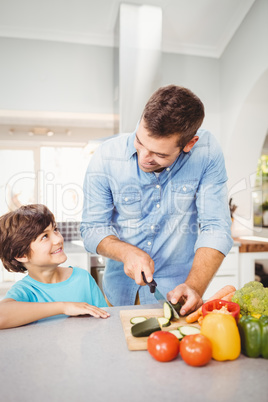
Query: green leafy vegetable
{"x": 252, "y": 298}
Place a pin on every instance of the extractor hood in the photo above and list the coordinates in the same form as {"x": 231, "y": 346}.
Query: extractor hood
{"x": 138, "y": 61}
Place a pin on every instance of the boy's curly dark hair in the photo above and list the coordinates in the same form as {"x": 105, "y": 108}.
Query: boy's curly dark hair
{"x": 18, "y": 229}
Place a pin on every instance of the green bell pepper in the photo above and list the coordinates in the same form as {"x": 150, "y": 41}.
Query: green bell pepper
{"x": 254, "y": 335}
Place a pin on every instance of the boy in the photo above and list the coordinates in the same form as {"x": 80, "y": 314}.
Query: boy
{"x": 30, "y": 241}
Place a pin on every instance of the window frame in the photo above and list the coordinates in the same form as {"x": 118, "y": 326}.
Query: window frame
{"x": 35, "y": 147}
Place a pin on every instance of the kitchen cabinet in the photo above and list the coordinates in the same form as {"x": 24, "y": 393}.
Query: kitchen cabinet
{"x": 252, "y": 249}
{"x": 228, "y": 273}
{"x": 77, "y": 256}
{"x": 1, "y": 272}
{"x": 247, "y": 265}
{"x": 79, "y": 260}
{"x": 9, "y": 277}
{"x": 237, "y": 268}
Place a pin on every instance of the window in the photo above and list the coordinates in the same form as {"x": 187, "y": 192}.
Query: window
{"x": 51, "y": 175}
{"x": 260, "y": 195}
{"x": 62, "y": 171}
{"x": 17, "y": 179}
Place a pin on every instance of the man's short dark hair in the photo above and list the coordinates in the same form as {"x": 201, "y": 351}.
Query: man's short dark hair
{"x": 173, "y": 110}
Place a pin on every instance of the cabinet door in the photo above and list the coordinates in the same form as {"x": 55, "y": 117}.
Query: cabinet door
{"x": 79, "y": 260}
{"x": 219, "y": 282}
{"x": 227, "y": 274}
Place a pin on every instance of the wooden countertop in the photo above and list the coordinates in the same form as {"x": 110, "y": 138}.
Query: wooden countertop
{"x": 251, "y": 246}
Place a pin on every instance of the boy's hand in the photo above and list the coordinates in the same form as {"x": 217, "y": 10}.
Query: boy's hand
{"x": 73, "y": 309}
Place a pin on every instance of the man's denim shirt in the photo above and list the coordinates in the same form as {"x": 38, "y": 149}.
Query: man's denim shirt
{"x": 169, "y": 215}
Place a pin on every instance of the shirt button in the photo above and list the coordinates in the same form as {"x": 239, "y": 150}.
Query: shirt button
{"x": 157, "y": 186}
{"x": 126, "y": 199}
{"x": 158, "y": 205}
{"x": 168, "y": 169}
{"x": 149, "y": 243}
{"x": 152, "y": 227}
{"x": 184, "y": 188}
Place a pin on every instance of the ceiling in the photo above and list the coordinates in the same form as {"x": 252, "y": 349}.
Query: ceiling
{"x": 196, "y": 27}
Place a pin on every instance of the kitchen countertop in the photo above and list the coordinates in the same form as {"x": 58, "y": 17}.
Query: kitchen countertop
{"x": 75, "y": 246}
{"x": 252, "y": 244}
{"x": 84, "y": 358}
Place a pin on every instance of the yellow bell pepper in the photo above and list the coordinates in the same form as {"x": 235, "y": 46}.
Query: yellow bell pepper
{"x": 222, "y": 331}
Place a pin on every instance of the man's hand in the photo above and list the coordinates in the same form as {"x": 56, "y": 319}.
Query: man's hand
{"x": 205, "y": 265}
{"x": 135, "y": 262}
{"x": 78, "y": 308}
{"x": 134, "y": 259}
{"x": 190, "y": 299}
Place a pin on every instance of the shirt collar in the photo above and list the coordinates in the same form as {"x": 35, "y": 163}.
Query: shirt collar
{"x": 131, "y": 149}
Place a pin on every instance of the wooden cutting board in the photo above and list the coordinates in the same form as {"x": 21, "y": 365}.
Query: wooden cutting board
{"x": 141, "y": 343}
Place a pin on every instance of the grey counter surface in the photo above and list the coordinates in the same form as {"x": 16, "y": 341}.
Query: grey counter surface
{"x": 75, "y": 246}
{"x": 87, "y": 359}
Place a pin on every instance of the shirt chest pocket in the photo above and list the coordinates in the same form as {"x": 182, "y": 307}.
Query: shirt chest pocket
{"x": 183, "y": 196}
{"x": 128, "y": 204}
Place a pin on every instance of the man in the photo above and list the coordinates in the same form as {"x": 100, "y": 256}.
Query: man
{"x": 156, "y": 201}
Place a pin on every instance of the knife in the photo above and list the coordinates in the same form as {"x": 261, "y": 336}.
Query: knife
{"x": 158, "y": 295}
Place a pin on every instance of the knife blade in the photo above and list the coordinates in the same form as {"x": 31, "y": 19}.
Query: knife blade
{"x": 158, "y": 295}
{"x": 161, "y": 299}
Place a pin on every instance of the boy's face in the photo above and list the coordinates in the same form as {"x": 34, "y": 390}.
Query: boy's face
{"x": 47, "y": 249}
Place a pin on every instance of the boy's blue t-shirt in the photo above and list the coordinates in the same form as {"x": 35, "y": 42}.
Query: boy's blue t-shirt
{"x": 79, "y": 287}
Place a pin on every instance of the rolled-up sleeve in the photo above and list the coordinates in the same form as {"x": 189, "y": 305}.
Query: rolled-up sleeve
{"x": 212, "y": 204}
{"x": 98, "y": 205}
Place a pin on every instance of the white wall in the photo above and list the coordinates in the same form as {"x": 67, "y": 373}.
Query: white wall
{"x": 63, "y": 77}
{"x": 244, "y": 108}
{"x": 53, "y": 76}
{"x": 201, "y": 75}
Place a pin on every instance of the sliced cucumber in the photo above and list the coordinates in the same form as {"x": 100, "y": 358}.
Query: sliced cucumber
{"x": 177, "y": 307}
{"x": 135, "y": 320}
{"x": 188, "y": 330}
{"x": 168, "y": 313}
{"x": 145, "y": 328}
{"x": 177, "y": 333}
{"x": 163, "y": 322}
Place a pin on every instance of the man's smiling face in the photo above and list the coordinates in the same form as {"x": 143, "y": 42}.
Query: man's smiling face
{"x": 155, "y": 154}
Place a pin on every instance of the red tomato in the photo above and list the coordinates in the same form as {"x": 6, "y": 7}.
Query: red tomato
{"x": 196, "y": 350}
{"x": 163, "y": 346}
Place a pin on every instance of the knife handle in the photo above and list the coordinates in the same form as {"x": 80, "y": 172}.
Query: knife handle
{"x": 152, "y": 284}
